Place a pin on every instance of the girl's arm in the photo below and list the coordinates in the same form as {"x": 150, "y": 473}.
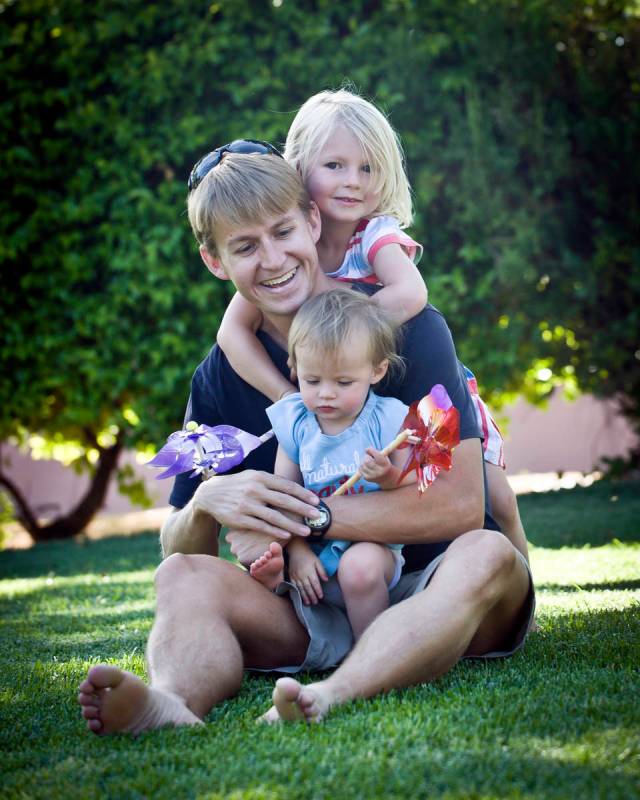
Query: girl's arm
{"x": 404, "y": 293}
{"x": 238, "y": 341}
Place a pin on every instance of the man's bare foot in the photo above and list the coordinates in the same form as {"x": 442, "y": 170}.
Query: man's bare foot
{"x": 269, "y": 568}
{"x": 293, "y": 701}
{"x": 115, "y": 701}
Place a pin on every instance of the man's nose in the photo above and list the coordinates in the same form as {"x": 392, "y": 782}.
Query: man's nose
{"x": 272, "y": 255}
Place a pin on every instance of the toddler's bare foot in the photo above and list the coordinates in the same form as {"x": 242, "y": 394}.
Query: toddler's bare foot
{"x": 115, "y": 701}
{"x": 293, "y": 701}
{"x": 269, "y": 568}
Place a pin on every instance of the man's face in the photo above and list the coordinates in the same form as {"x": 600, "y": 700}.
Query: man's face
{"x": 273, "y": 264}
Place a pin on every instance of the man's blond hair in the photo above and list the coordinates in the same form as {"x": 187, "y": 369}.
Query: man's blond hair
{"x": 318, "y": 118}
{"x": 243, "y": 189}
{"x": 327, "y": 321}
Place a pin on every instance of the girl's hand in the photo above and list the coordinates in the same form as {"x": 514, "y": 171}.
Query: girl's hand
{"x": 375, "y": 467}
{"x": 306, "y": 571}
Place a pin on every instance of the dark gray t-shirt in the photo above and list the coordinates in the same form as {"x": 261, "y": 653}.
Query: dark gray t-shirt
{"x": 220, "y": 396}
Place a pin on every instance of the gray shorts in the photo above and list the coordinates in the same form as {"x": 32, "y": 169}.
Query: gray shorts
{"x": 330, "y": 636}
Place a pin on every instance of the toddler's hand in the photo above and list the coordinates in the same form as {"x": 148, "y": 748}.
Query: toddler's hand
{"x": 375, "y": 467}
{"x": 306, "y": 572}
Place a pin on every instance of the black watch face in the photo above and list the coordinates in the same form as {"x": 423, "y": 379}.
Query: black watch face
{"x": 321, "y": 523}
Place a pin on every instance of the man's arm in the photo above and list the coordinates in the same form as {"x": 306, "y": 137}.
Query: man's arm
{"x": 451, "y": 506}
{"x": 246, "y": 501}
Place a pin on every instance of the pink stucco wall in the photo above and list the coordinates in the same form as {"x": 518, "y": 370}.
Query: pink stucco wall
{"x": 565, "y": 437}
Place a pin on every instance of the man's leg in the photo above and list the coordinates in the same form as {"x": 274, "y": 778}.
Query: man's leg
{"x": 212, "y": 620}
{"x": 470, "y": 606}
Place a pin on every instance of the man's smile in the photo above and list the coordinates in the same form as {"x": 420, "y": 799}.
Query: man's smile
{"x": 281, "y": 279}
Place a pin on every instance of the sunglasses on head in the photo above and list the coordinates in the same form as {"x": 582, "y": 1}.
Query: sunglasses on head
{"x": 212, "y": 159}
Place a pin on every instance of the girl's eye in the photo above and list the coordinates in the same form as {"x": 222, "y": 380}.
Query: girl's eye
{"x": 311, "y": 381}
{"x": 366, "y": 168}
{"x": 345, "y": 383}
{"x": 332, "y": 165}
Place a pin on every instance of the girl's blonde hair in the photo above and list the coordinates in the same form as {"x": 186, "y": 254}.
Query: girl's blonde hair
{"x": 319, "y": 116}
{"x": 241, "y": 190}
{"x": 325, "y": 322}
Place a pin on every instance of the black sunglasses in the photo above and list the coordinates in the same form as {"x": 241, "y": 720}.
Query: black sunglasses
{"x": 212, "y": 159}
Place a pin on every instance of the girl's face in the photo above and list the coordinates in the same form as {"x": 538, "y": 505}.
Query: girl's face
{"x": 339, "y": 180}
{"x": 334, "y": 386}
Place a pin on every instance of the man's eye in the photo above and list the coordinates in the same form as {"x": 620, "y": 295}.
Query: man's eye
{"x": 245, "y": 249}
{"x": 284, "y": 232}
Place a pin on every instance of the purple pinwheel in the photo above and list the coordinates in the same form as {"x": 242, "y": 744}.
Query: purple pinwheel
{"x": 205, "y": 450}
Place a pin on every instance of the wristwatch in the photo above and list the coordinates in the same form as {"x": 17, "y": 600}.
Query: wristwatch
{"x": 319, "y": 525}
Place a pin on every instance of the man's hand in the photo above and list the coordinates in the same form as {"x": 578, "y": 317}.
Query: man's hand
{"x": 257, "y": 502}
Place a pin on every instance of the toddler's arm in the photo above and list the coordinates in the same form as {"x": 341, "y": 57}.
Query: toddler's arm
{"x": 305, "y": 568}
{"x": 404, "y": 293}
{"x": 306, "y": 571}
{"x": 238, "y": 341}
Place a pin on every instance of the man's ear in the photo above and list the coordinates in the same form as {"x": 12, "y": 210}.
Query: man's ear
{"x": 380, "y": 371}
{"x": 213, "y": 264}
{"x": 315, "y": 223}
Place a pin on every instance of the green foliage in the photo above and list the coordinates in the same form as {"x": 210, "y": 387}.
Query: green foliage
{"x": 520, "y": 122}
{"x": 6, "y": 515}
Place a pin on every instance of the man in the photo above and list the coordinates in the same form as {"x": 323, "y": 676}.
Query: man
{"x": 257, "y": 228}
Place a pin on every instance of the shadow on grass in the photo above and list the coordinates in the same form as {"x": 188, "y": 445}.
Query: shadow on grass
{"x": 69, "y": 557}
{"x": 594, "y": 515}
{"x": 613, "y": 586}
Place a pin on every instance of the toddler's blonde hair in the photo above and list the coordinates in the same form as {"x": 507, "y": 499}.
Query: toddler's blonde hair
{"x": 322, "y": 113}
{"x": 325, "y": 322}
{"x": 241, "y": 190}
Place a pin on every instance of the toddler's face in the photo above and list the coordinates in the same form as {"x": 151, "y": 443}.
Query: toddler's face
{"x": 334, "y": 386}
{"x": 340, "y": 178}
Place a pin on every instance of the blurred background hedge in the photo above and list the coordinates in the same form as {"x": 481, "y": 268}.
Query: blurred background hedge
{"x": 520, "y": 122}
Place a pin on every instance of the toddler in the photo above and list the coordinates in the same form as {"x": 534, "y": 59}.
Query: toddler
{"x": 341, "y": 345}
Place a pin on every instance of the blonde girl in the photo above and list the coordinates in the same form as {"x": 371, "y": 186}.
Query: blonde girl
{"x": 351, "y": 162}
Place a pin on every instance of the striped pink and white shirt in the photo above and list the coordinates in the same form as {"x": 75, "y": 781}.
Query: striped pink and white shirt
{"x": 369, "y": 236}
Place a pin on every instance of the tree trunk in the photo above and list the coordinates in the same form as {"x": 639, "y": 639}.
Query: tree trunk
{"x": 80, "y": 516}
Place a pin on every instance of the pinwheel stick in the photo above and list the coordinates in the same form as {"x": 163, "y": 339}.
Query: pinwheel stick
{"x": 407, "y": 433}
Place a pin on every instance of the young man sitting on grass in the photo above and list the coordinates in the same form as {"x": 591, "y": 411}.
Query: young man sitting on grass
{"x": 465, "y": 591}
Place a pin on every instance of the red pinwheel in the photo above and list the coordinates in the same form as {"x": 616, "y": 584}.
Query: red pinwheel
{"x": 206, "y": 450}
{"x": 436, "y": 424}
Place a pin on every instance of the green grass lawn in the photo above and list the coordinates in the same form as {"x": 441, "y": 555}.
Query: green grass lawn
{"x": 559, "y": 720}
